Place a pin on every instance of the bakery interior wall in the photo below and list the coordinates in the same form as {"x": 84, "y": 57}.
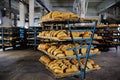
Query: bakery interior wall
{"x": 5, "y": 20}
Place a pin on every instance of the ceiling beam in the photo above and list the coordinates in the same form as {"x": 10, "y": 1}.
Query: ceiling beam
{"x": 10, "y": 10}
{"x": 48, "y": 4}
{"x": 41, "y": 4}
{"x": 94, "y": 0}
{"x": 106, "y": 4}
{"x": 63, "y": 6}
{"x": 22, "y": 1}
{"x": 61, "y": 1}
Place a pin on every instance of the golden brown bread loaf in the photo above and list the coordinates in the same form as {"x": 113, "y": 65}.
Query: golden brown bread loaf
{"x": 63, "y": 66}
{"x": 43, "y": 46}
{"x": 70, "y": 45}
{"x": 87, "y": 34}
{"x": 52, "y": 47}
{"x": 45, "y": 59}
{"x": 91, "y": 61}
{"x": 89, "y": 65}
{"x": 69, "y": 70}
{"x": 61, "y": 34}
{"x": 60, "y": 55}
{"x": 96, "y": 66}
{"x": 56, "y": 14}
{"x": 59, "y": 71}
{"x": 55, "y": 33}
{"x": 69, "y": 52}
{"x": 74, "y": 61}
{"x": 92, "y": 51}
{"x": 52, "y": 33}
{"x": 57, "y": 51}
{"x": 55, "y": 67}
{"x": 74, "y": 68}
{"x": 83, "y": 51}
{"x": 96, "y": 50}
{"x": 65, "y": 15}
{"x": 75, "y": 34}
{"x": 72, "y": 15}
{"x": 63, "y": 47}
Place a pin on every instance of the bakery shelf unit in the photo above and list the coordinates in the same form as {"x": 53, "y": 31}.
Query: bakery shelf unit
{"x": 102, "y": 44}
{"x": 114, "y": 38}
{"x": 83, "y": 42}
{"x": 10, "y": 37}
{"x": 32, "y": 32}
{"x": 110, "y": 37}
{"x": 23, "y": 40}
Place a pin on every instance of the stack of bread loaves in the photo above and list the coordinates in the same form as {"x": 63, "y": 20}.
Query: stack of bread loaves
{"x": 63, "y": 34}
{"x": 101, "y": 25}
{"x": 67, "y": 66}
{"x": 56, "y": 15}
{"x": 62, "y": 16}
{"x": 62, "y": 50}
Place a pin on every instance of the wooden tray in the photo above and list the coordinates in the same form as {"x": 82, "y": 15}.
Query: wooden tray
{"x": 66, "y": 57}
{"x": 66, "y": 74}
{"x": 62, "y": 38}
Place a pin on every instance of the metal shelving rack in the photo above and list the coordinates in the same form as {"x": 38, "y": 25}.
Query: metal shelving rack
{"x": 32, "y": 32}
{"x": 23, "y": 40}
{"x": 110, "y": 35}
{"x": 88, "y": 41}
{"x": 10, "y": 37}
{"x": 114, "y": 38}
{"x": 103, "y": 44}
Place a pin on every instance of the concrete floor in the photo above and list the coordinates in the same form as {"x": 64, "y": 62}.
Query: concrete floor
{"x": 24, "y": 65}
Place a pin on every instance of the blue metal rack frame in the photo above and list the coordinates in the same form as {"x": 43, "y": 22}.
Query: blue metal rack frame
{"x": 10, "y": 37}
{"x": 35, "y": 31}
{"x": 82, "y": 73}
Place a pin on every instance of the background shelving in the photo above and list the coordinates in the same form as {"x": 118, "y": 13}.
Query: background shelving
{"x": 11, "y": 37}
{"x": 32, "y": 40}
{"x": 110, "y": 37}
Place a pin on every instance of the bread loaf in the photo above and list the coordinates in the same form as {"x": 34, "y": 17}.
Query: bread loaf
{"x": 46, "y": 46}
{"x": 60, "y": 55}
{"x": 69, "y": 70}
{"x": 70, "y": 45}
{"x": 52, "y": 47}
{"x": 63, "y": 48}
{"x": 91, "y": 61}
{"x": 69, "y": 52}
{"x": 59, "y": 71}
{"x": 92, "y": 51}
{"x": 75, "y": 34}
{"x": 55, "y": 33}
{"x": 74, "y": 61}
{"x": 96, "y": 50}
{"x": 56, "y": 14}
{"x": 61, "y": 34}
{"x": 45, "y": 59}
{"x": 84, "y": 51}
{"x": 75, "y": 69}
{"x": 96, "y": 66}
{"x": 66, "y": 15}
{"x": 89, "y": 65}
{"x": 55, "y": 67}
{"x": 57, "y": 51}
{"x": 72, "y": 15}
